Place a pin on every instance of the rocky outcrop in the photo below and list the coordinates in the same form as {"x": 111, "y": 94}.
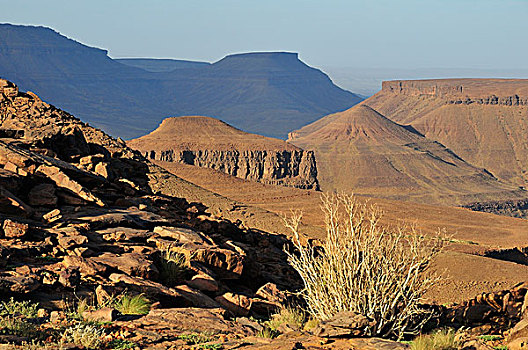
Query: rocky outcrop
{"x": 287, "y": 168}
{"x": 211, "y": 143}
{"x": 508, "y": 92}
{"x": 515, "y": 208}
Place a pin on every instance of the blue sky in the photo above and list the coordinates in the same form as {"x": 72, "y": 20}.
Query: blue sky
{"x": 377, "y": 33}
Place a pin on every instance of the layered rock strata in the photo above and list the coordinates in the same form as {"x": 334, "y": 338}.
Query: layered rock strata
{"x": 207, "y": 142}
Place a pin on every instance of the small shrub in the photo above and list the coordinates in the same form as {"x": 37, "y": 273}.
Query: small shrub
{"x": 121, "y": 344}
{"x": 290, "y": 316}
{"x": 36, "y": 345}
{"x": 490, "y": 337}
{"x": 18, "y": 308}
{"x": 173, "y": 265}
{"x": 132, "y": 305}
{"x": 214, "y": 346}
{"x": 196, "y": 338}
{"x": 441, "y": 340}
{"x": 311, "y": 324}
{"x": 267, "y": 332}
{"x": 88, "y": 336}
{"x": 364, "y": 268}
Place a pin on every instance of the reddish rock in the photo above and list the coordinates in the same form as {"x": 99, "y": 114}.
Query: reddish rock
{"x": 237, "y": 304}
{"x": 226, "y": 263}
{"x": 343, "y": 324}
{"x": 133, "y": 264}
{"x": 271, "y": 292}
{"x": 52, "y": 216}
{"x": 13, "y": 229}
{"x": 69, "y": 277}
{"x": 203, "y": 282}
{"x": 518, "y": 344}
{"x": 86, "y": 266}
{"x": 105, "y": 314}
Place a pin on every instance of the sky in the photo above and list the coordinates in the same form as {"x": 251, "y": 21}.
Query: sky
{"x": 404, "y": 34}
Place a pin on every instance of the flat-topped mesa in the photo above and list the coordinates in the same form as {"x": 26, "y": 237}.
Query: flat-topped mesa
{"x": 510, "y": 92}
{"x": 209, "y": 142}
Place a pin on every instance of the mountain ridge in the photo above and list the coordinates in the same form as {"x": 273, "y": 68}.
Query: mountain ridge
{"x": 129, "y": 101}
{"x": 362, "y": 151}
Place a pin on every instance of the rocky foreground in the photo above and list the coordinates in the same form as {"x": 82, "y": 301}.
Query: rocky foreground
{"x": 113, "y": 264}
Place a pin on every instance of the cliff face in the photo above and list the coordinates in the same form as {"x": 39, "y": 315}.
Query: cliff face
{"x": 287, "y": 168}
{"x": 208, "y": 142}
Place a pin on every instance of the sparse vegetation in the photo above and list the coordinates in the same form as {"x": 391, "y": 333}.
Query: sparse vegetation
{"x": 213, "y": 346}
{"x": 290, "y": 316}
{"x": 196, "y": 338}
{"x": 490, "y": 337}
{"x": 121, "y": 344}
{"x": 173, "y": 265}
{"x": 132, "y": 305}
{"x": 267, "y": 332}
{"x": 87, "y": 336}
{"x": 440, "y": 340}
{"x": 18, "y": 308}
{"x": 18, "y": 326}
{"x": 365, "y": 268}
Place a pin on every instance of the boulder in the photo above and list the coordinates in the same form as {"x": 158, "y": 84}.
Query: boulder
{"x": 12, "y": 282}
{"x": 11, "y": 204}
{"x": 62, "y": 180}
{"x": 133, "y": 264}
{"x": 203, "y": 282}
{"x": 181, "y": 235}
{"x": 227, "y": 264}
{"x": 124, "y": 234}
{"x": 14, "y": 229}
{"x": 520, "y": 330}
{"x": 518, "y": 344}
{"x": 271, "y": 292}
{"x": 69, "y": 277}
{"x": 105, "y": 314}
{"x": 237, "y": 304}
{"x": 180, "y": 296}
{"x": 86, "y": 266}
{"x": 343, "y": 324}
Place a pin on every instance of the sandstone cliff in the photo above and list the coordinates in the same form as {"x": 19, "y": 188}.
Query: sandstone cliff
{"x": 208, "y": 142}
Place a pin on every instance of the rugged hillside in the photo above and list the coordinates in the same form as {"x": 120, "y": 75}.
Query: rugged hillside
{"x": 484, "y": 121}
{"x": 79, "y": 219}
{"x": 211, "y": 143}
{"x": 361, "y": 151}
{"x": 265, "y": 93}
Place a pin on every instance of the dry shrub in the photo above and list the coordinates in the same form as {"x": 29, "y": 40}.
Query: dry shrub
{"x": 365, "y": 268}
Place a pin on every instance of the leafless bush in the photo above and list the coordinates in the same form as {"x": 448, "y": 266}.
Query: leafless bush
{"x": 365, "y": 268}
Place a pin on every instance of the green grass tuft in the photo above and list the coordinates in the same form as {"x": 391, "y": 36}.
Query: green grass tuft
{"x": 133, "y": 305}
{"x": 440, "y": 340}
{"x": 121, "y": 344}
